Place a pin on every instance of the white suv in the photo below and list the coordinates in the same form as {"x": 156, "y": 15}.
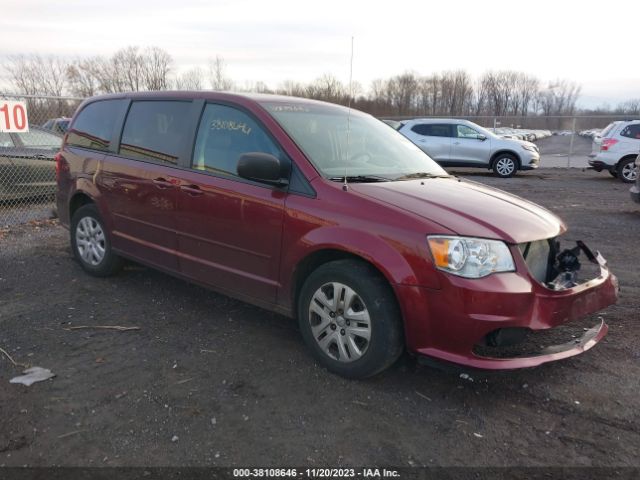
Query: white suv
{"x": 461, "y": 143}
{"x": 618, "y": 149}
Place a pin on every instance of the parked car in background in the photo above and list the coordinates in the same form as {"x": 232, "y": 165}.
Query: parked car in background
{"x": 635, "y": 190}
{"x": 461, "y": 143}
{"x": 617, "y": 150}
{"x": 596, "y": 136}
{"x": 395, "y": 124}
{"x": 27, "y": 167}
{"x": 57, "y": 125}
{"x": 325, "y": 214}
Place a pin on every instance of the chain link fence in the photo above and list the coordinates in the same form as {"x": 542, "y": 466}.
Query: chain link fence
{"x": 27, "y": 165}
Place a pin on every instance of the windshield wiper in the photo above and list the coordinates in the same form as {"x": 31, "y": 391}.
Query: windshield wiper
{"x": 411, "y": 176}
{"x": 361, "y": 179}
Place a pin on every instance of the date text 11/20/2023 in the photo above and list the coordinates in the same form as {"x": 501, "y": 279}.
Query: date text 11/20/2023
{"x": 315, "y": 473}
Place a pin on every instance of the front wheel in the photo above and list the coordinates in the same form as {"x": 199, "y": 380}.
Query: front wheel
{"x": 350, "y": 320}
{"x": 627, "y": 170}
{"x": 505, "y": 166}
{"x": 90, "y": 243}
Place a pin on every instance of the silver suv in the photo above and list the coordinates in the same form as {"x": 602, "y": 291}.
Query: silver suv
{"x": 617, "y": 150}
{"x": 461, "y": 143}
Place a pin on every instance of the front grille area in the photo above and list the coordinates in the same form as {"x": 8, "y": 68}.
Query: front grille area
{"x": 544, "y": 261}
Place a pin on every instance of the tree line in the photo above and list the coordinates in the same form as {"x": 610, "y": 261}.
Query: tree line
{"x": 447, "y": 93}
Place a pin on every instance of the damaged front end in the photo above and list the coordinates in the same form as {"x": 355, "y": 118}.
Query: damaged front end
{"x": 559, "y": 269}
{"x": 572, "y": 284}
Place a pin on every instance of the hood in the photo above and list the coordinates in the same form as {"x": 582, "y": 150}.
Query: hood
{"x": 468, "y": 208}
{"x": 517, "y": 142}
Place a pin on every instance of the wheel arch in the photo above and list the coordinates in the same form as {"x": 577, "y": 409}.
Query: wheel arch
{"x": 316, "y": 259}
{"x": 78, "y": 200}
{"x": 632, "y": 156}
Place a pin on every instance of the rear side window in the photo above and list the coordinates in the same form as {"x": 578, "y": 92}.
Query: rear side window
{"x": 608, "y": 129}
{"x": 156, "y": 131}
{"x": 225, "y": 133}
{"x": 631, "y": 131}
{"x": 93, "y": 128}
{"x": 40, "y": 139}
{"x": 432, "y": 129}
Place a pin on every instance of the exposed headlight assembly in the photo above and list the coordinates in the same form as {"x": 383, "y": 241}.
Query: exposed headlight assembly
{"x": 470, "y": 257}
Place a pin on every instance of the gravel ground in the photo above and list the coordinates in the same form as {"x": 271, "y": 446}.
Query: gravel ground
{"x": 212, "y": 381}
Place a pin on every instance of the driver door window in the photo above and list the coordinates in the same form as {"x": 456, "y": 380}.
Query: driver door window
{"x": 466, "y": 132}
{"x": 226, "y": 133}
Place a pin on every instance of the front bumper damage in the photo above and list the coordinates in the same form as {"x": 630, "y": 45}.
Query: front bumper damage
{"x": 513, "y": 320}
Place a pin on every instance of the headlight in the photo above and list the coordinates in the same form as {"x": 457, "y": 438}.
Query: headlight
{"x": 531, "y": 148}
{"x": 470, "y": 257}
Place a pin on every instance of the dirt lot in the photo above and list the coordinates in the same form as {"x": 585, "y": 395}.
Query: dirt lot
{"x": 235, "y": 385}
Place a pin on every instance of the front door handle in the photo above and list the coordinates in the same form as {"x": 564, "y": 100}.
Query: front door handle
{"x": 192, "y": 190}
{"x": 162, "y": 183}
{"x": 456, "y": 143}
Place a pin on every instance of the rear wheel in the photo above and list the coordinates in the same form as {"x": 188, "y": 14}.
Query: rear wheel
{"x": 349, "y": 319}
{"x": 627, "y": 170}
{"x": 505, "y": 165}
{"x": 90, "y": 243}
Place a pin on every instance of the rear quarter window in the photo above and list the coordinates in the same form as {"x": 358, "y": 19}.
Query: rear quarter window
{"x": 93, "y": 127}
{"x": 631, "y": 131}
{"x": 608, "y": 129}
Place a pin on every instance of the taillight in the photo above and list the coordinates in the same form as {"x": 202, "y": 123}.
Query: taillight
{"x": 607, "y": 143}
{"x": 61, "y": 165}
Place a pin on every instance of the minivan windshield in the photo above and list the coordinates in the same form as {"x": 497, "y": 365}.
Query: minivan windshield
{"x": 360, "y": 145}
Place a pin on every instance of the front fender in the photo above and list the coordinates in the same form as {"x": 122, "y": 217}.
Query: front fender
{"x": 402, "y": 262}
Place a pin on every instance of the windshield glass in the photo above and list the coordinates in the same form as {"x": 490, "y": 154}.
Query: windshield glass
{"x": 368, "y": 150}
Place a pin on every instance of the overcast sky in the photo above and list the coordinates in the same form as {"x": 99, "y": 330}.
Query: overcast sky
{"x": 276, "y": 40}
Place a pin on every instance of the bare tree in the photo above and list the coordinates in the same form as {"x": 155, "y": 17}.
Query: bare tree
{"x": 190, "y": 80}
{"x": 127, "y": 70}
{"x": 291, "y": 88}
{"x": 630, "y": 107}
{"x": 155, "y": 66}
{"x": 83, "y": 78}
{"x": 34, "y": 74}
{"x": 217, "y": 75}
{"x": 327, "y": 87}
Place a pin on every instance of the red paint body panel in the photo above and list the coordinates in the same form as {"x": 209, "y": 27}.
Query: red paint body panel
{"x": 230, "y": 235}
{"x": 469, "y": 208}
{"x": 141, "y": 201}
{"x": 249, "y": 240}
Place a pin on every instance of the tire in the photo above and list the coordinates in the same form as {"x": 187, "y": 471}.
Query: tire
{"x": 96, "y": 258}
{"x": 348, "y": 345}
{"x": 613, "y": 172}
{"x": 505, "y": 165}
{"x": 627, "y": 171}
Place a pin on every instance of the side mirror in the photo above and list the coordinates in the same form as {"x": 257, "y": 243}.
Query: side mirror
{"x": 262, "y": 167}
{"x": 481, "y": 137}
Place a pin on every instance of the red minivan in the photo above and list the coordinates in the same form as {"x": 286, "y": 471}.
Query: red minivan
{"x": 328, "y": 215}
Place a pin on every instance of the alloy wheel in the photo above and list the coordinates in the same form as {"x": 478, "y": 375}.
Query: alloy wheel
{"x": 630, "y": 172}
{"x": 505, "y": 166}
{"x": 90, "y": 241}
